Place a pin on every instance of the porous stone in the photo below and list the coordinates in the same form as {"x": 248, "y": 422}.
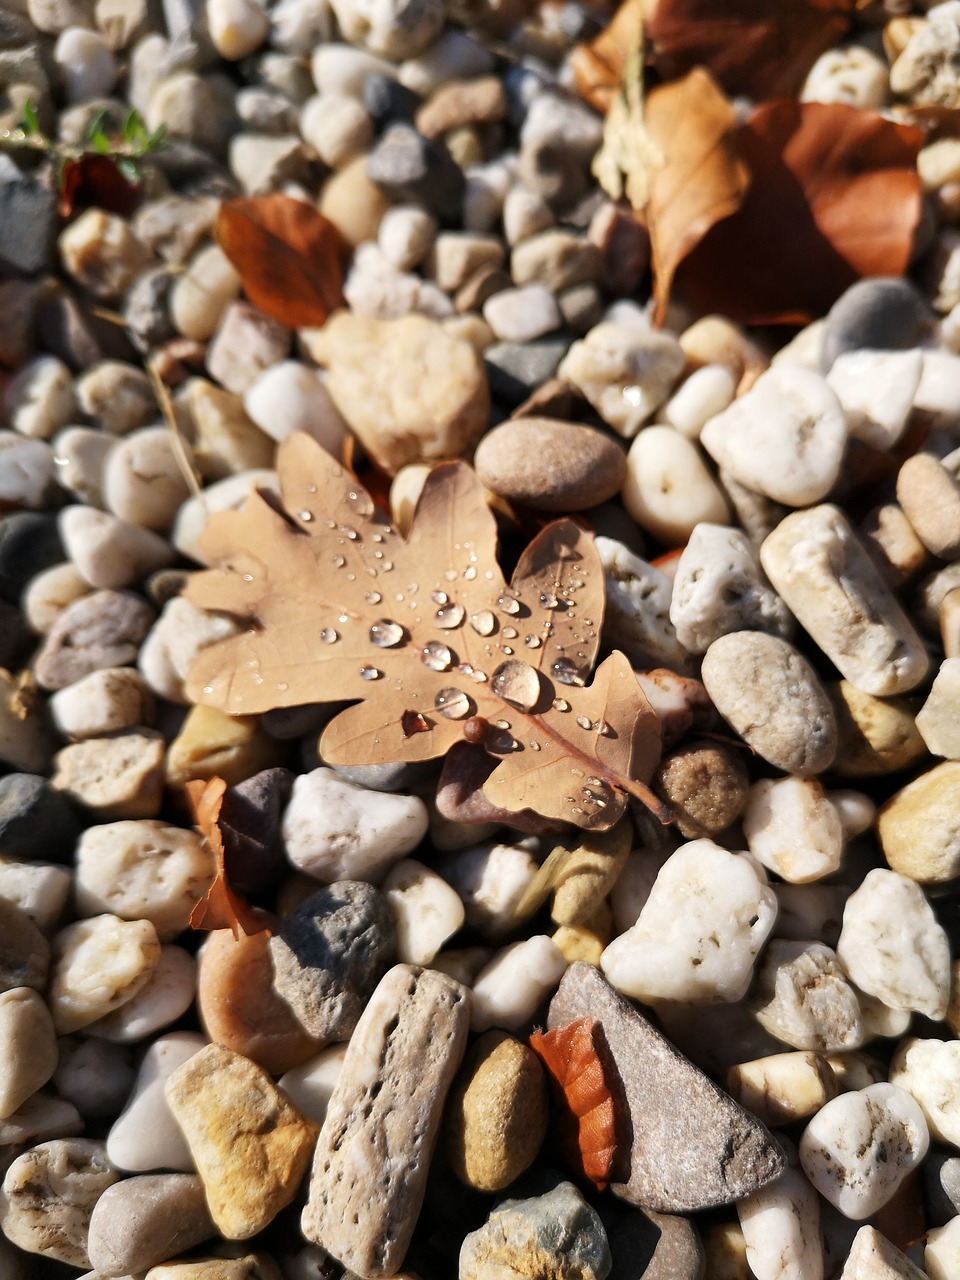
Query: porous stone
{"x": 626, "y": 372}
{"x": 637, "y": 618}
{"x": 771, "y": 696}
{"x": 431, "y": 396}
{"x": 668, "y": 489}
{"x": 705, "y": 784}
{"x": 496, "y": 1114}
{"x": 853, "y": 75}
{"x": 680, "y": 1158}
{"x": 139, "y": 1222}
{"x": 892, "y": 946}
{"x": 556, "y": 1234}
{"x": 840, "y": 1149}
{"x": 553, "y": 465}
{"x": 102, "y": 629}
{"x": 116, "y": 777}
{"x": 699, "y": 931}
{"x": 251, "y": 1147}
{"x": 98, "y": 964}
{"x": 876, "y": 736}
{"x": 28, "y": 1047}
{"x": 802, "y": 997}
{"x": 918, "y": 828}
{"x": 383, "y": 1120}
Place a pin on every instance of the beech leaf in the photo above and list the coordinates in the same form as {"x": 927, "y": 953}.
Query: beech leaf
{"x": 291, "y": 259}
{"x": 570, "y": 1055}
{"x": 425, "y": 637}
{"x": 220, "y": 907}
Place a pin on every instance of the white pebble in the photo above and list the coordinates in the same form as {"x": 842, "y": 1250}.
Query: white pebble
{"x": 851, "y": 75}
{"x": 145, "y": 1135}
{"x": 793, "y": 828}
{"x": 782, "y": 1087}
{"x": 454, "y": 55}
{"x": 237, "y": 27}
{"x": 938, "y": 720}
{"x": 929, "y": 1070}
{"x": 781, "y": 1226}
{"x": 508, "y": 990}
{"x": 802, "y": 997}
{"x": 941, "y": 1252}
{"x": 625, "y": 371}
{"x": 105, "y": 701}
{"x": 178, "y": 635}
{"x": 484, "y": 194}
{"x": 88, "y": 67}
{"x": 938, "y": 395}
{"x": 38, "y": 888}
{"x": 426, "y": 911}
{"x": 309, "y": 1087}
{"x": 225, "y": 495}
{"x": 292, "y": 396}
{"x": 96, "y": 965}
{"x": 167, "y": 996}
{"x": 26, "y": 470}
{"x": 337, "y": 126}
{"x": 668, "y": 489}
{"x": 334, "y": 830}
{"x": 521, "y": 315}
{"x": 696, "y": 939}
{"x": 110, "y": 552}
{"x": 48, "y": 594}
{"x": 339, "y": 68}
{"x": 200, "y": 296}
{"x": 701, "y": 396}
{"x": 860, "y": 1146}
{"x": 80, "y": 455}
{"x": 892, "y": 946}
{"x": 39, "y": 398}
{"x": 876, "y": 390}
{"x": 406, "y": 235}
{"x": 490, "y": 880}
{"x": 524, "y": 214}
{"x": 785, "y": 438}
{"x": 143, "y": 480}
{"x": 638, "y": 607}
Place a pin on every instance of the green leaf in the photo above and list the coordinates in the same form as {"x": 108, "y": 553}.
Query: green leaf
{"x": 100, "y": 143}
{"x": 96, "y": 126}
{"x": 29, "y": 122}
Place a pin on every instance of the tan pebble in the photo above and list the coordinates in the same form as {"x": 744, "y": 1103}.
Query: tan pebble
{"x": 853, "y": 1071}
{"x": 873, "y": 1257}
{"x": 930, "y": 497}
{"x": 938, "y": 720}
{"x": 471, "y": 328}
{"x": 225, "y": 439}
{"x": 250, "y": 1146}
{"x": 588, "y": 873}
{"x": 918, "y": 828}
{"x": 783, "y": 1087}
{"x": 198, "y": 298}
{"x": 553, "y": 465}
{"x": 211, "y": 743}
{"x": 462, "y": 102}
{"x": 353, "y": 203}
{"x": 893, "y": 545}
{"x": 585, "y": 942}
{"x": 97, "y": 965}
{"x": 251, "y": 1266}
{"x": 950, "y": 623}
{"x": 496, "y": 1116}
{"x": 102, "y": 254}
{"x": 28, "y": 1047}
{"x": 706, "y": 787}
{"x": 120, "y": 776}
{"x": 725, "y": 1251}
{"x": 239, "y": 1007}
{"x": 877, "y": 736}
{"x": 716, "y": 340}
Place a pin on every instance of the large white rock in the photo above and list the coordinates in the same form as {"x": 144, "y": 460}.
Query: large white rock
{"x": 517, "y": 980}
{"x": 699, "y": 932}
{"x": 625, "y": 371}
{"x": 425, "y": 910}
{"x": 145, "y": 1135}
{"x": 781, "y": 1226}
{"x": 876, "y": 390}
{"x": 929, "y": 1070}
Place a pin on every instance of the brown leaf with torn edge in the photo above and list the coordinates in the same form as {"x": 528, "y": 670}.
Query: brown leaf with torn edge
{"x": 220, "y": 907}
{"x": 291, "y": 259}
{"x": 425, "y": 637}
{"x": 570, "y": 1055}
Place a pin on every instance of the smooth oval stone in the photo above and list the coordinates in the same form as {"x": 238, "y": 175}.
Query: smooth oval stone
{"x": 884, "y": 313}
{"x": 768, "y": 692}
{"x": 145, "y": 1135}
{"x": 141, "y": 1221}
{"x": 28, "y": 1047}
{"x": 553, "y": 465}
{"x": 668, "y": 489}
{"x": 918, "y": 827}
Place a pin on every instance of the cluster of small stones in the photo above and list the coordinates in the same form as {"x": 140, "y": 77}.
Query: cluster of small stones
{"x": 352, "y": 1094}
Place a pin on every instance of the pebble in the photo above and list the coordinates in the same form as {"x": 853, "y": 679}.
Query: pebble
{"x": 719, "y": 587}
{"x": 80, "y": 455}
{"x": 802, "y": 997}
{"x": 35, "y": 820}
{"x": 556, "y": 1234}
{"x": 108, "y": 552}
{"x": 202, "y": 293}
{"x": 376, "y": 290}
{"x": 515, "y": 370}
{"x": 496, "y": 1115}
{"x": 881, "y": 313}
{"x": 891, "y": 540}
{"x": 781, "y": 1226}
{"x": 337, "y": 127}
{"x": 179, "y": 634}
{"x": 143, "y": 480}
{"x": 873, "y": 1257}
{"x": 246, "y": 343}
{"x": 917, "y": 827}
{"x": 212, "y": 743}
{"x": 709, "y": 1152}
{"x": 783, "y": 1087}
{"x": 876, "y": 390}
{"x": 29, "y": 543}
{"x": 929, "y": 494}
{"x": 432, "y": 400}
{"x": 925, "y": 70}
{"x": 38, "y": 889}
{"x": 237, "y": 28}
{"x": 705, "y": 784}
{"x": 383, "y": 1121}
{"x": 426, "y": 911}
{"x": 26, "y": 470}
{"x": 937, "y": 719}
{"x": 490, "y": 879}
{"x": 456, "y": 256}
{"x": 334, "y": 830}
{"x": 165, "y": 997}
{"x": 41, "y": 1116}
{"x": 86, "y": 64}
{"x": 398, "y": 30}
{"x": 793, "y": 827}
{"x": 637, "y": 618}
{"x": 101, "y": 703}
{"x": 224, "y": 440}
{"x": 240, "y": 1008}
{"x": 116, "y": 777}
{"x": 406, "y": 235}
{"x": 353, "y": 203}
{"x": 941, "y": 1254}
{"x": 139, "y": 1222}
{"x": 96, "y": 1077}
{"x": 892, "y": 946}
{"x": 101, "y": 253}
{"x": 250, "y": 1145}
{"x": 937, "y": 397}
{"x": 39, "y": 399}
{"x": 522, "y": 315}
{"x": 553, "y": 465}
{"x": 311, "y": 1085}
{"x": 102, "y": 629}
{"x": 625, "y": 372}
{"x": 561, "y": 259}
{"x": 117, "y": 395}
{"x": 840, "y": 1149}
{"x": 24, "y": 951}
{"x": 699, "y": 932}
{"x": 853, "y": 75}
{"x": 768, "y": 692}
{"x": 784, "y": 438}
{"x": 454, "y": 55}
{"x": 929, "y": 1070}
{"x": 409, "y": 168}
{"x": 28, "y": 1047}
{"x": 876, "y": 736}
{"x": 293, "y": 397}
{"x": 98, "y": 964}
{"x": 668, "y": 489}
{"x": 341, "y": 68}
{"x": 145, "y": 1136}
{"x": 48, "y": 1197}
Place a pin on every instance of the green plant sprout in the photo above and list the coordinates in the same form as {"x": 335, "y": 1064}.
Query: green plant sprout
{"x": 125, "y": 148}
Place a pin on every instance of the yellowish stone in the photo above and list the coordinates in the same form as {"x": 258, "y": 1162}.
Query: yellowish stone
{"x": 212, "y": 743}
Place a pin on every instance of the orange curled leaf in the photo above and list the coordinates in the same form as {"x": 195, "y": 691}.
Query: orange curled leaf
{"x": 570, "y": 1055}
{"x": 291, "y": 259}
{"x": 220, "y": 907}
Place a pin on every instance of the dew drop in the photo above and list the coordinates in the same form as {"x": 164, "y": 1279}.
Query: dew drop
{"x": 483, "y": 622}
{"x": 502, "y": 742}
{"x": 337, "y": 561}
{"x": 372, "y": 597}
{"x": 305, "y": 516}
{"x": 472, "y": 673}
{"x": 370, "y": 673}
{"x": 282, "y": 686}
{"x": 505, "y": 648}
{"x": 502, "y": 724}
{"x": 603, "y": 729}
{"x": 510, "y": 633}
{"x": 450, "y": 616}
{"x": 450, "y": 575}
{"x": 328, "y": 636}
{"x": 561, "y": 704}
{"x": 439, "y": 597}
{"x": 517, "y": 683}
{"x": 351, "y": 577}
{"x": 470, "y": 572}
{"x": 436, "y": 656}
{"x": 376, "y": 537}
{"x": 532, "y": 642}
{"x": 548, "y": 600}
{"x": 248, "y": 577}
{"x": 565, "y": 672}
{"x": 387, "y": 566}
{"x": 343, "y": 618}
{"x": 584, "y": 722}
{"x": 453, "y": 704}
{"x": 386, "y": 634}
{"x": 348, "y": 532}
{"x": 534, "y": 746}
{"x": 508, "y": 604}
{"x": 208, "y": 688}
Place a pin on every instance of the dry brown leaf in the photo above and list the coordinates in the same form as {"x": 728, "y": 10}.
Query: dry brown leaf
{"x": 220, "y": 907}
{"x": 599, "y": 67}
{"x": 291, "y": 259}
{"x": 835, "y": 196}
{"x": 426, "y": 638}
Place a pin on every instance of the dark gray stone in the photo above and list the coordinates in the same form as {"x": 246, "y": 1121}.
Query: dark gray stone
{"x": 556, "y": 1235}
{"x": 36, "y": 822}
{"x": 330, "y": 953}
{"x": 399, "y": 776}
{"x": 409, "y": 167}
{"x": 69, "y": 328}
{"x": 103, "y": 629}
{"x": 516, "y": 369}
{"x": 15, "y": 636}
{"x": 682, "y": 1143}
{"x": 28, "y": 219}
{"x": 250, "y": 825}
{"x": 554, "y": 172}
{"x": 388, "y": 101}
{"x": 29, "y": 543}
{"x": 883, "y": 313}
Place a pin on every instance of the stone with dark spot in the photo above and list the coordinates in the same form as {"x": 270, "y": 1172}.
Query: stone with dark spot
{"x": 29, "y": 543}
{"x": 882, "y": 313}
{"x": 409, "y": 167}
{"x": 35, "y": 821}
{"x": 250, "y": 825}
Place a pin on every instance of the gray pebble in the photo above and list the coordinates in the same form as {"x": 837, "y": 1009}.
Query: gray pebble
{"x": 29, "y": 543}
{"x": 883, "y": 313}
{"x": 411, "y": 168}
{"x": 103, "y": 629}
{"x": 330, "y": 953}
{"x": 94, "y": 1074}
{"x": 768, "y": 692}
{"x": 35, "y": 820}
{"x": 28, "y": 222}
{"x": 515, "y": 369}
{"x": 24, "y": 951}
{"x": 140, "y": 1222}
{"x": 557, "y": 1234}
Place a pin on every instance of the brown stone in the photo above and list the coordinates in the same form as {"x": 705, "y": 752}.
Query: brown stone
{"x": 551, "y": 464}
{"x": 462, "y": 102}
{"x": 876, "y": 736}
{"x": 706, "y": 787}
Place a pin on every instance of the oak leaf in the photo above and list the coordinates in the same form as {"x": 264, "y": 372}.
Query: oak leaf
{"x": 291, "y": 259}
{"x": 426, "y": 638}
{"x": 220, "y": 907}
{"x": 570, "y": 1056}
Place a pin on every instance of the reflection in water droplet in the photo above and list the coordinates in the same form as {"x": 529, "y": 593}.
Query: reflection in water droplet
{"x": 510, "y": 633}
{"x": 348, "y": 532}
{"x": 534, "y": 746}
{"x": 343, "y": 618}
{"x": 248, "y": 577}
{"x": 208, "y": 688}
{"x": 372, "y": 597}
{"x": 472, "y": 673}
{"x": 561, "y": 704}
{"x": 439, "y": 597}
{"x": 305, "y": 516}
{"x": 517, "y": 683}
{"x": 329, "y": 636}
{"x": 502, "y": 724}
{"x": 565, "y": 672}
{"x": 470, "y": 572}
{"x": 370, "y": 673}
{"x": 337, "y": 561}
{"x": 385, "y": 633}
{"x": 505, "y": 648}
{"x": 508, "y": 604}
{"x": 501, "y": 742}
{"x": 453, "y": 703}
{"x": 532, "y": 642}
{"x": 548, "y": 600}
{"x": 436, "y": 656}
{"x": 584, "y": 722}
{"x": 483, "y": 622}
{"x": 351, "y": 577}
{"x": 450, "y": 616}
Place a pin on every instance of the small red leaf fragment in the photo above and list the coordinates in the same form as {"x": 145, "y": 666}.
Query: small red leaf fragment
{"x": 220, "y": 907}
{"x": 94, "y": 181}
{"x": 570, "y": 1055}
{"x": 412, "y": 722}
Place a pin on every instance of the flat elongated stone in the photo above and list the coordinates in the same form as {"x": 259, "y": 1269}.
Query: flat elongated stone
{"x": 820, "y": 568}
{"x": 383, "y": 1120}
{"x": 691, "y": 1146}
{"x": 139, "y": 1222}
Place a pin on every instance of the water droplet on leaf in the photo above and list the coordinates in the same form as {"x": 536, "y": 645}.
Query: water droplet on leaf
{"x": 483, "y": 622}
{"x": 436, "y": 656}
{"x": 584, "y": 722}
{"x": 450, "y": 616}
{"x": 517, "y": 683}
{"x": 453, "y": 704}
{"x": 385, "y": 633}
{"x": 508, "y": 604}
{"x": 565, "y": 672}
{"x": 370, "y": 673}
{"x": 372, "y": 597}
{"x": 329, "y": 636}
